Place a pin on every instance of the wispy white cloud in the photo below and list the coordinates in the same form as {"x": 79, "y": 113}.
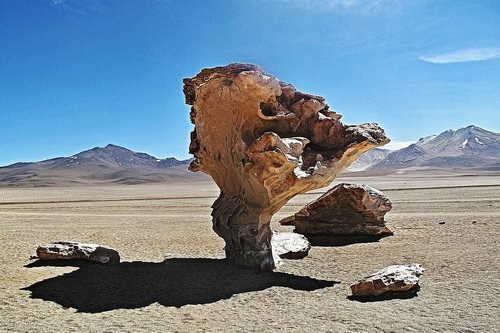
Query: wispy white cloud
{"x": 463, "y": 55}
{"x": 79, "y": 6}
{"x": 365, "y": 6}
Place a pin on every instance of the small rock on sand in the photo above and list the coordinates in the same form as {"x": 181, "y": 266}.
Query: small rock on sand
{"x": 67, "y": 250}
{"x": 394, "y": 279}
{"x": 289, "y": 245}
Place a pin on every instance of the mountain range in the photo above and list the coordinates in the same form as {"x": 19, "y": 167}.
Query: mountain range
{"x": 470, "y": 148}
{"x": 109, "y": 164}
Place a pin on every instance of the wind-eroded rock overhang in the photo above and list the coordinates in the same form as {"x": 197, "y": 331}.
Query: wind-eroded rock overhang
{"x": 263, "y": 142}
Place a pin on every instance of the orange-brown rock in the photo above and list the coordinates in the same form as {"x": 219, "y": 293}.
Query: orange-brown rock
{"x": 344, "y": 210}
{"x": 402, "y": 279}
{"x": 263, "y": 142}
{"x": 64, "y": 250}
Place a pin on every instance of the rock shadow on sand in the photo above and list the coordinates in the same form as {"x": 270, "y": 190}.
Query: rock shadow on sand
{"x": 413, "y": 292}
{"x": 341, "y": 240}
{"x": 174, "y": 282}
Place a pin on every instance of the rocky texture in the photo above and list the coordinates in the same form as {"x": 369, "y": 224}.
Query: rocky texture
{"x": 345, "y": 210}
{"x": 401, "y": 279}
{"x": 263, "y": 142}
{"x": 64, "y": 250}
{"x": 288, "y": 245}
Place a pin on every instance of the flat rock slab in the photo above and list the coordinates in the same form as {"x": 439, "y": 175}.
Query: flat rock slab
{"x": 288, "y": 245}
{"x": 396, "y": 280}
{"x": 345, "y": 210}
{"x": 67, "y": 250}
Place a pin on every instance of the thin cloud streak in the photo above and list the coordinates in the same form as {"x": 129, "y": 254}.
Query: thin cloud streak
{"x": 463, "y": 55}
{"x": 364, "y": 6}
{"x": 79, "y": 6}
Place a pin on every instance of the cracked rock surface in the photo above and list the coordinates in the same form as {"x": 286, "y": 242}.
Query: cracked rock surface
{"x": 344, "y": 210}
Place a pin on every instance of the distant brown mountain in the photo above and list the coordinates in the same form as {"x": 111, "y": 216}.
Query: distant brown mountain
{"x": 110, "y": 164}
{"x": 466, "y": 148}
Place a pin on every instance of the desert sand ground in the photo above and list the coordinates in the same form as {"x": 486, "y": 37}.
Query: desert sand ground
{"x": 172, "y": 278}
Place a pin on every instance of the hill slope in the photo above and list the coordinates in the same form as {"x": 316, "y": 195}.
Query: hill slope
{"x": 368, "y": 159}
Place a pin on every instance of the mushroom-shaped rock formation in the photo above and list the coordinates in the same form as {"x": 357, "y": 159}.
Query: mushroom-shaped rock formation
{"x": 263, "y": 142}
{"x": 344, "y": 210}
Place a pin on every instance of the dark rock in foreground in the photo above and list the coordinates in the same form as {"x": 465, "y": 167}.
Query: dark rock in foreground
{"x": 345, "y": 210}
{"x": 64, "y": 250}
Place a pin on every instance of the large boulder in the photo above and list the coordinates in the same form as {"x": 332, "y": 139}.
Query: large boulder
{"x": 344, "y": 210}
{"x": 288, "y": 245}
{"x": 263, "y": 142}
{"x": 67, "y": 250}
{"x": 397, "y": 280}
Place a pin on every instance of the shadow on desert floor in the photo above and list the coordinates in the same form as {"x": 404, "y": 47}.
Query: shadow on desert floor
{"x": 413, "y": 292}
{"x": 341, "y": 240}
{"x": 174, "y": 282}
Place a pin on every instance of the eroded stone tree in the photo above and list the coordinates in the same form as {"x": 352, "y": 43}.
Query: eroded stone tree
{"x": 263, "y": 142}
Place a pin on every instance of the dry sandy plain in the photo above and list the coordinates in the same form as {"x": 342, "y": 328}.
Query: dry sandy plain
{"x": 172, "y": 278}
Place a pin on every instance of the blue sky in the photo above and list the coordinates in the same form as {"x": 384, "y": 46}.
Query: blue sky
{"x": 82, "y": 73}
